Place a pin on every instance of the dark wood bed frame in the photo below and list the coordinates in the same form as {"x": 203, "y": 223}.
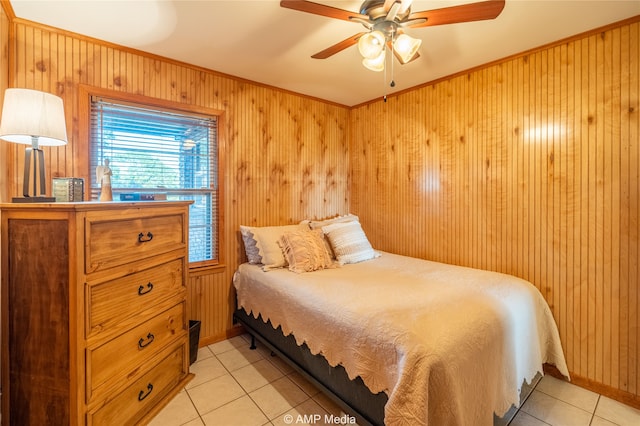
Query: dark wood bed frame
{"x": 351, "y": 395}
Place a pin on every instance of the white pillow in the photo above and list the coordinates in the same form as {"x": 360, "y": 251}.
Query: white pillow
{"x": 349, "y": 242}
{"x": 267, "y": 243}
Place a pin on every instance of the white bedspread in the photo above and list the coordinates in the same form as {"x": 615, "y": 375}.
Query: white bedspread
{"x": 449, "y": 345}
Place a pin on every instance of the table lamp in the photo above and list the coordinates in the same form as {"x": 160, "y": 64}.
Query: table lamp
{"x": 33, "y": 118}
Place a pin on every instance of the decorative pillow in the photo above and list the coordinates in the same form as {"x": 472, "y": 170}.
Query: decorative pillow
{"x": 267, "y": 243}
{"x": 317, "y": 224}
{"x": 253, "y": 256}
{"x": 305, "y": 250}
{"x": 349, "y": 242}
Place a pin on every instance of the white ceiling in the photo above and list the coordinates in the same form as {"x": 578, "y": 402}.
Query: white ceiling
{"x": 260, "y": 41}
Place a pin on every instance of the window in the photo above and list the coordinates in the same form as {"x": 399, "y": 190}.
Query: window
{"x": 160, "y": 151}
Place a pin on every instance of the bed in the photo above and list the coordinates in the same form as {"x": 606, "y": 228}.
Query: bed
{"x": 400, "y": 340}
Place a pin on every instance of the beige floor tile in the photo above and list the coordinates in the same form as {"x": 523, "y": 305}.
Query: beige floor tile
{"x": 229, "y": 344}
{"x": 569, "y": 393}
{"x": 256, "y": 375}
{"x": 205, "y": 370}
{"x": 178, "y": 411}
{"x": 524, "y": 419}
{"x": 204, "y": 353}
{"x": 307, "y": 413}
{"x": 555, "y": 412}
{"x": 599, "y": 421}
{"x": 282, "y": 366}
{"x": 304, "y": 384}
{"x": 215, "y": 393}
{"x": 240, "y": 412}
{"x": 278, "y": 397}
{"x": 617, "y": 412}
{"x": 238, "y": 357}
{"x": 327, "y": 403}
{"x": 195, "y": 422}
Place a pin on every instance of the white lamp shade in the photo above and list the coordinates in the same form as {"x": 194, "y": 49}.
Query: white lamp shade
{"x": 30, "y": 113}
{"x": 371, "y": 44}
{"x": 406, "y": 47}
{"x": 375, "y": 64}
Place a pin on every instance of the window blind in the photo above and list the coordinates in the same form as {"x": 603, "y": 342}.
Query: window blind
{"x": 160, "y": 151}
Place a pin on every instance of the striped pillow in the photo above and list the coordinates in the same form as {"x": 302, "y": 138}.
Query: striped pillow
{"x": 349, "y": 242}
{"x": 305, "y": 251}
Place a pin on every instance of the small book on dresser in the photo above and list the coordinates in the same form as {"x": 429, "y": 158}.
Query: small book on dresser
{"x": 142, "y": 196}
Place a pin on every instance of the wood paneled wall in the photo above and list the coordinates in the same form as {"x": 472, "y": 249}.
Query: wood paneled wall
{"x": 285, "y": 156}
{"x": 531, "y": 167}
{"x": 4, "y": 83}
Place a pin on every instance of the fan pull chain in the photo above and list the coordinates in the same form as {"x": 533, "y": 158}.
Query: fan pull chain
{"x": 384, "y": 80}
{"x": 393, "y": 82}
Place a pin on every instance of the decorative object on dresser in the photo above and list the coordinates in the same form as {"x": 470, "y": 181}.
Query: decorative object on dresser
{"x": 94, "y": 321}
{"x": 33, "y": 118}
{"x": 103, "y": 176}
{"x": 66, "y": 189}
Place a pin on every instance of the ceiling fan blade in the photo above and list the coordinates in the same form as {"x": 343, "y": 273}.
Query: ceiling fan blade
{"x": 321, "y": 9}
{"x": 463, "y": 13}
{"x": 338, "y": 47}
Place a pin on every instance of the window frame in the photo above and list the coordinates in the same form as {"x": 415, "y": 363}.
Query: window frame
{"x": 84, "y": 153}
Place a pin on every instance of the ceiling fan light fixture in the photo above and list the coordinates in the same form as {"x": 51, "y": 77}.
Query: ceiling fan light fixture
{"x": 375, "y": 64}
{"x": 371, "y": 44}
{"x": 406, "y": 47}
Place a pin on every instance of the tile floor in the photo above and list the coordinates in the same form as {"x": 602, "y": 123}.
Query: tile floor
{"x": 235, "y": 386}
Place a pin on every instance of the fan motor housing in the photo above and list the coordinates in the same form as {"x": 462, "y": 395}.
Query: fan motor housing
{"x": 375, "y": 10}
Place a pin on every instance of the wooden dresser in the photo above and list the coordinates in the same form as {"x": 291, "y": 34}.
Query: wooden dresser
{"x": 94, "y": 325}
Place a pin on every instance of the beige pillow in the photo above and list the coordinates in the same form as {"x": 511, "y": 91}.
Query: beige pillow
{"x": 349, "y": 242}
{"x": 267, "y": 243}
{"x": 305, "y": 250}
{"x": 316, "y": 224}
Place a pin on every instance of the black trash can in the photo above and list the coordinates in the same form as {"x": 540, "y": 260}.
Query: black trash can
{"x": 194, "y": 340}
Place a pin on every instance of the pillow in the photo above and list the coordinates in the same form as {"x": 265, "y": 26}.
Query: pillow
{"x": 305, "y": 250}
{"x": 253, "y": 256}
{"x": 317, "y": 224}
{"x": 267, "y": 243}
{"x": 349, "y": 242}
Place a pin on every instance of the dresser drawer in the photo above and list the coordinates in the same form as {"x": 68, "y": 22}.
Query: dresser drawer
{"x": 132, "y": 404}
{"x": 119, "y": 357}
{"x": 111, "y": 302}
{"x": 112, "y": 242}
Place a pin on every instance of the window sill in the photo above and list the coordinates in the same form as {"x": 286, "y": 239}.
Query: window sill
{"x": 217, "y": 268}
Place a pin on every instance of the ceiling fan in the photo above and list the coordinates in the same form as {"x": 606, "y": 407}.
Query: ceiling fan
{"x": 386, "y": 21}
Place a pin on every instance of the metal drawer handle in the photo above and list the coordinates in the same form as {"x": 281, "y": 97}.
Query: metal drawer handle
{"x": 145, "y": 238}
{"x": 142, "y": 291}
{"x": 142, "y": 395}
{"x": 149, "y": 339}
